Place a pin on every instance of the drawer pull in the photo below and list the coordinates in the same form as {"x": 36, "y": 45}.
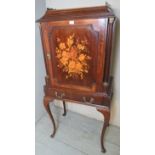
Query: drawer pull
{"x": 61, "y": 95}
{"x": 84, "y": 99}
{"x": 90, "y": 101}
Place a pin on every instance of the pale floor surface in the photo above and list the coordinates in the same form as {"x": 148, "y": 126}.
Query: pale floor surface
{"x": 76, "y": 135}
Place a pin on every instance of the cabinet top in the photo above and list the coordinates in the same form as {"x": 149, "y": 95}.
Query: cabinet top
{"x": 77, "y": 13}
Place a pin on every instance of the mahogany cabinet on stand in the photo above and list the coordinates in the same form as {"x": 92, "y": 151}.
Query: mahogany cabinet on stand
{"x": 77, "y": 47}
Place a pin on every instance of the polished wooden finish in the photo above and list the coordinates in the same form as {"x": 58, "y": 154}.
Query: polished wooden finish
{"x": 77, "y": 47}
{"x": 106, "y": 113}
{"x": 47, "y": 100}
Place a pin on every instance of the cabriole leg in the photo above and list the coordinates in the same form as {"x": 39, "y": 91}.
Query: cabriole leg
{"x": 64, "y": 105}
{"x": 106, "y": 113}
{"x": 47, "y": 101}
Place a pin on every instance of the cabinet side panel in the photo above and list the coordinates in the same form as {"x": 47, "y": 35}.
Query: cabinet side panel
{"x": 109, "y": 35}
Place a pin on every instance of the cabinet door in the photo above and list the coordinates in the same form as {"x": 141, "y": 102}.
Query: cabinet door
{"x": 75, "y": 53}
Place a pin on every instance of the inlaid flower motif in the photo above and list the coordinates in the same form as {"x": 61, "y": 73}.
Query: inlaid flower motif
{"x": 73, "y": 56}
{"x": 80, "y": 47}
{"x": 62, "y": 46}
{"x": 70, "y": 40}
{"x": 82, "y": 57}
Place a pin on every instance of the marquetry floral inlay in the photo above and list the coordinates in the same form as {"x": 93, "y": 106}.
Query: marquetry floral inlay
{"x": 73, "y": 56}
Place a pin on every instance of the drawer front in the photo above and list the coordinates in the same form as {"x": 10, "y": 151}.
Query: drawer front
{"x": 72, "y": 96}
{"x": 82, "y": 97}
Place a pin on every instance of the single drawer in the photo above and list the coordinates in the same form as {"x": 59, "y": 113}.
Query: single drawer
{"x": 85, "y": 98}
{"x": 96, "y": 98}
